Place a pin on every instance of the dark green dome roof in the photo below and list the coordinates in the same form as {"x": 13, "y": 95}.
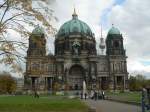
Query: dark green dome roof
{"x": 75, "y": 26}
{"x": 114, "y": 33}
{"x": 38, "y": 30}
{"x": 113, "y": 30}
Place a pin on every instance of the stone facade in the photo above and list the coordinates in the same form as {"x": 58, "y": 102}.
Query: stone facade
{"x": 76, "y": 60}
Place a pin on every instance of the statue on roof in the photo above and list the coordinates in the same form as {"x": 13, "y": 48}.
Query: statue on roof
{"x": 76, "y": 45}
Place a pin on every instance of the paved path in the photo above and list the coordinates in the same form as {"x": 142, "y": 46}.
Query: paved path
{"x": 110, "y": 106}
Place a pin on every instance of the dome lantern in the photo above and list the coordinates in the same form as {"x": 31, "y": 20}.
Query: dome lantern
{"x": 74, "y": 15}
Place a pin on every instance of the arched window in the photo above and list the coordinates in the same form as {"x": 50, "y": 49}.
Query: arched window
{"x": 50, "y": 67}
{"x": 116, "y": 44}
{"x": 35, "y": 66}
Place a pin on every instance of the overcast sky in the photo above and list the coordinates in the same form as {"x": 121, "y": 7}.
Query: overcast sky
{"x": 131, "y": 17}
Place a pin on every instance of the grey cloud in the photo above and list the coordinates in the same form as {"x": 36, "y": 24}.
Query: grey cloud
{"x": 133, "y": 19}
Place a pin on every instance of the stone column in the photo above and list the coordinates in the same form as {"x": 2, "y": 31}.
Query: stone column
{"x": 115, "y": 83}
{"x": 111, "y": 82}
{"x": 37, "y": 83}
{"x": 46, "y": 87}
{"x": 124, "y": 67}
{"x": 66, "y": 80}
{"x": 124, "y": 83}
{"x": 51, "y": 81}
{"x": 32, "y": 83}
{"x": 100, "y": 83}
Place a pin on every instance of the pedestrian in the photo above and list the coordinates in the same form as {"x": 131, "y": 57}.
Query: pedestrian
{"x": 81, "y": 95}
{"x": 99, "y": 95}
{"x": 85, "y": 95}
{"x": 36, "y": 95}
{"x": 92, "y": 95}
{"x": 95, "y": 95}
{"x": 103, "y": 95}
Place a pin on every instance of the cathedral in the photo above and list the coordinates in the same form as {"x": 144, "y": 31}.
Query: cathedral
{"x": 75, "y": 60}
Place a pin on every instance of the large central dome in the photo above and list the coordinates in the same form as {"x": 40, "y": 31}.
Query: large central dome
{"x": 74, "y": 26}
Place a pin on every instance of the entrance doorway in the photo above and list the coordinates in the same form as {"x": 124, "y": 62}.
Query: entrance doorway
{"x": 49, "y": 83}
{"x": 76, "y": 77}
{"x": 104, "y": 83}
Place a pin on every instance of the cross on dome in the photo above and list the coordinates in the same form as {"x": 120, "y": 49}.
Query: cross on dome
{"x": 74, "y": 15}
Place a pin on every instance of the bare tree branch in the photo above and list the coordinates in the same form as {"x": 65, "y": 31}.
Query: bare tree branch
{"x": 10, "y": 53}
{"x": 21, "y": 12}
{"x": 19, "y": 9}
{"x": 3, "y": 4}
{"x": 12, "y": 18}
{"x": 5, "y": 11}
{"x": 15, "y": 42}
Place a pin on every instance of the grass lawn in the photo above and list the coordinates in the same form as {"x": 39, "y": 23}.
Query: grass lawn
{"x": 125, "y": 96}
{"x": 43, "y": 104}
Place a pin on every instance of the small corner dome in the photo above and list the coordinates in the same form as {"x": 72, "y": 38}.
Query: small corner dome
{"x": 114, "y": 30}
{"x": 38, "y": 30}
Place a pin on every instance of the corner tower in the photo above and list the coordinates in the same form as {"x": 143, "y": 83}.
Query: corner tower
{"x": 37, "y": 42}
{"x": 36, "y": 54}
{"x": 114, "y": 42}
{"x": 117, "y": 59}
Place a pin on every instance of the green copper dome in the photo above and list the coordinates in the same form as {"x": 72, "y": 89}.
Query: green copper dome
{"x": 38, "y": 30}
{"x": 113, "y": 30}
{"x": 75, "y": 26}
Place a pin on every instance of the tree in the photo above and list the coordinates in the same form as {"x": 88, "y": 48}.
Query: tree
{"x": 132, "y": 83}
{"x": 19, "y": 16}
{"x": 7, "y": 83}
{"x": 137, "y": 82}
{"x": 148, "y": 82}
{"x": 140, "y": 77}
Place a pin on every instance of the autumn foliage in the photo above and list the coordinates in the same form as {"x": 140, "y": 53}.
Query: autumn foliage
{"x": 7, "y": 83}
{"x": 137, "y": 82}
{"x": 17, "y": 18}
